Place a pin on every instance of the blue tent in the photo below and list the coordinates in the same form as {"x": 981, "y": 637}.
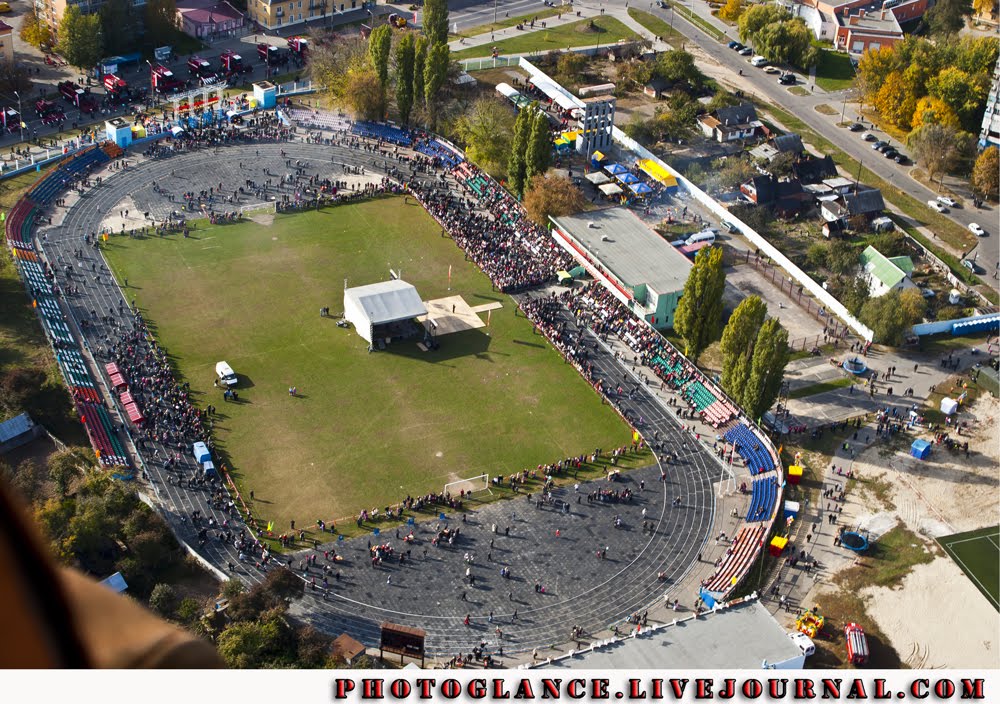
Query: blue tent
{"x": 921, "y": 449}
{"x": 615, "y": 169}
{"x": 640, "y": 189}
{"x": 628, "y": 179}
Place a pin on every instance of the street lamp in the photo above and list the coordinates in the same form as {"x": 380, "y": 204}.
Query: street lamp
{"x": 20, "y": 115}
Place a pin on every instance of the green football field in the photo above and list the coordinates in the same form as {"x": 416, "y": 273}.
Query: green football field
{"x": 977, "y": 552}
{"x": 367, "y": 428}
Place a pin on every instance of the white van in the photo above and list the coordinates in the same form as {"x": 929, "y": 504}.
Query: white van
{"x": 758, "y": 61}
{"x": 803, "y": 642}
{"x": 225, "y": 373}
{"x": 707, "y": 235}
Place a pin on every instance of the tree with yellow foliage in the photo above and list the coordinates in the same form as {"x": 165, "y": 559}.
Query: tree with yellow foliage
{"x": 731, "y": 11}
{"x": 934, "y": 111}
{"x": 895, "y": 101}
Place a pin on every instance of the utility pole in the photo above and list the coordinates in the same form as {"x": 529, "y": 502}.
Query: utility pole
{"x": 20, "y": 115}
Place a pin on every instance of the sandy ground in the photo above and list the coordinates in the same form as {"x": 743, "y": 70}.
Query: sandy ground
{"x": 936, "y": 618}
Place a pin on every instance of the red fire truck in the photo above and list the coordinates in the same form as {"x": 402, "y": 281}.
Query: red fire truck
{"x": 271, "y": 54}
{"x": 11, "y": 119}
{"x": 857, "y": 644}
{"x": 116, "y": 88}
{"x": 202, "y": 70}
{"x": 164, "y": 80}
{"x": 78, "y": 97}
{"x": 233, "y": 64}
{"x": 50, "y": 112}
{"x": 298, "y": 45}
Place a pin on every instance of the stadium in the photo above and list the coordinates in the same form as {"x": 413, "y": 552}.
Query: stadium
{"x": 461, "y": 374}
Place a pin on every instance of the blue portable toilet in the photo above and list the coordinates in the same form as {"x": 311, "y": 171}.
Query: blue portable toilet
{"x": 921, "y": 449}
{"x": 201, "y": 453}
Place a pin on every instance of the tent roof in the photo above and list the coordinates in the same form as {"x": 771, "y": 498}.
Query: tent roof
{"x": 640, "y": 188}
{"x": 610, "y": 189}
{"x": 615, "y": 169}
{"x": 597, "y": 178}
{"x": 628, "y": 178}
{"x": 15, "y": 427}
{"x": 387, "y": 301}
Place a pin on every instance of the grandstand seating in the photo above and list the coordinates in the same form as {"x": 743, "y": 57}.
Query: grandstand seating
{"x": 763, "y": 499}
{"x": 753, "y": 451}
{"x": 738, "y": 559}
{"x": 45, "y": 191}
{"x": 319, "y": 119}
{"x": 387, "y": 133}
{"x": 102, "y": 435}
{"x": 696, "y": 393}
{"x": 19, "y": 223}
{"x": 433, "y": 148}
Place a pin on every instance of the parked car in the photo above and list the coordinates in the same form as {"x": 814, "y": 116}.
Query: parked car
{"x": 971, "y": 266}
{"x": 941, "y": 208}
{"x": 950, "y": 202}
{"x": 745, "y": 51}
{"x": 735, "y": 45}
{"x": 758, "y": 61}
{"x": 728, "y": 226}
{"x": 869, "y": 137}
{"x": 890, "y": 153}
{"x": 787, "y": 79}
{"x": 976, "y": 229}
{"x": 927, "y": 292}
{"x": 857, "y": 127}
{"x": 772, "y": 69}
{"x": 880, "y": 146}
{"x": 901, "y": 158}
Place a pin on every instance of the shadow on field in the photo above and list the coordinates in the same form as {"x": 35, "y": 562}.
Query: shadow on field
{"x": 460, "y": 344}
{"x": 244, "y": 382}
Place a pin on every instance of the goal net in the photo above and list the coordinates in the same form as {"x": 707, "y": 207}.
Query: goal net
{"x": 258, "y": 209}
{"x": 473, "y": 486}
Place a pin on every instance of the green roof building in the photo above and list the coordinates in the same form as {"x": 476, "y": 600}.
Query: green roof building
{"x": 885, "y": 273}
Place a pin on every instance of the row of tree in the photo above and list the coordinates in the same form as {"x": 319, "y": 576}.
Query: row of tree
{"x": 117, "y": 28}
{"x": 530, "y": 150}
{"x": 918, "y": 82}
{"x": 754, "y": 347}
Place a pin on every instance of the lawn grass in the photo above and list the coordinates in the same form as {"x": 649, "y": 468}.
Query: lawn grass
{"x": 564, "y": 36}
{"x": 658, "y": 27}
{"x": 977, "y": 552}
{"x": 366, "y": 429}
{"x": 707, "y": 27}
{"x": 505, "y": 22}
{"x": 834, "y": 71}
{"x": 820, "y": 387}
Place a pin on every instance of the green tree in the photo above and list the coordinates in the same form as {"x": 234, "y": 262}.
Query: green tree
{"x": 737, "y": 346}
{"x": 699, "y": 312}
{"x": 33, "y": 31}
{"x": 789, "y": 41}
{"x": 364, "y": 96}
{"x": 120, "y": 26}
{"x": 938, "y": 148}
{"x": 65, "y": 466}
{"x": 163, "y": 600}
{"x": 435, "y": 75}
{"x": 962, "y": 92}
{"x": 729, "y": 172}
{"x": 855, "y": 295}
{"x": 552, "y": 196}
{"x": 419, "y": 62}
{"x": 757, "y": 17}
{"x": 767, "y": 368}
{"x": 570, "y": 68}
{"x": 842, "y": 257}
{"x": 891, "y": 316}
{"x": 487, "y": 132}
{"x": 26, "y": 479}
{"x": 678, "y": 66}
{"x": 330, "y": 63}
{"x": 538, "y": 155}
{"x": 947, "y": 16}
{"x": 516, "y": 165}
{"x": 161, "y": 22}
{"x": 731, "y": 11}
{"x": 435, "y": 21}
{"x": 379, "y": 47}
{"x": 404, "y": 76}
{"x": 80, "y": 38}
{"x": 986, "y": 173}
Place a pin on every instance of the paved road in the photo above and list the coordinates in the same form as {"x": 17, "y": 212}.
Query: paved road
{"x": 580, "y": 589}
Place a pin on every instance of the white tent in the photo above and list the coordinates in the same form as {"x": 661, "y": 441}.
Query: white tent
{"x": 380, "y": 304}
{"x": 597, "y": 178}
{"x": 949, "y": 406}
{"x": 610, "y": 189}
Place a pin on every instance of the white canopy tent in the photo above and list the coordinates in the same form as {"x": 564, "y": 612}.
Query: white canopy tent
{"x": 380, "y": 304}
{"x": 597, "y": 177}
{"x": 611, "y": 189}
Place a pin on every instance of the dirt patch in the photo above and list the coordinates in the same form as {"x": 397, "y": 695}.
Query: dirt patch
{"x": 934, "y": 618}
{"x": 265, "y": 219}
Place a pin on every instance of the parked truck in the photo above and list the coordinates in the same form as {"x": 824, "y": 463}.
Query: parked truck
{"x": 233, "y": 64}
{"x": 78, "y": 97}
{"x": 116, "y": 88}
{"x": 11, "y": 120}
{"x": 164, "y": 81}
{"x": 857, "y": 644}
{"x": 202, "y": 70}
{"x": 298, "y": 46}
{"x": 271, "y": 55}
{"x": 50, "y": 112}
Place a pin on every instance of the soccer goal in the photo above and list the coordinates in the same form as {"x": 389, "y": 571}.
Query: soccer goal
{"x": 471, "y": 487}
{"x": 248, "y": 211}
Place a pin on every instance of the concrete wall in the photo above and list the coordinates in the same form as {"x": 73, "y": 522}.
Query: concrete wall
{"x": 821, "y": 294}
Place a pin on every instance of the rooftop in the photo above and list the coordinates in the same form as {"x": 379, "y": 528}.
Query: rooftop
{"x": 890, "y": 271}
{"x": 869, "y": 19}
{"x": 628, "y": 248}
{"x": 740, "y": 637}
{"x": 387, "y": 301}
